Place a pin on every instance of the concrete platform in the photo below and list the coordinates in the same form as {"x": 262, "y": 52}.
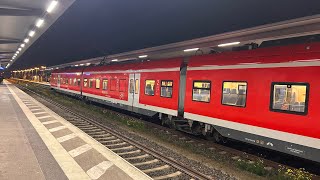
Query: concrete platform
{"x": 36, "y": 143}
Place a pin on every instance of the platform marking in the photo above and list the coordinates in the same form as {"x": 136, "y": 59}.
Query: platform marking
{"x": 50, "y": 122}
{"x": 36, "y": 109}
{"x": 97, "y": 171}
{"x": 66, "y": 137}
{"x": 42, "y": 117}
{"x": 57, "y": 128}
{"x": 39, "y": 113}
{"x": 79, "y": 150}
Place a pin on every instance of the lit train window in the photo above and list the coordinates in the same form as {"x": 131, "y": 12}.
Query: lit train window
{"x": 122, "y": 85}
{"x": 79, "y": 82}
{"x": 136, "y": 87}
{"x": 149, "y": 88}
{"x": 105, "y": 84}
{"x": 201, "y": 91}
{"x": 85, "y": 82}
{"x": 90, "y": 83}
{"x": 290, "y": 98}
{"x": 131, "y": 88}
{"x": 66, "y": 81}
{"x": 234, "y": 93}
{"x": 166, "y": 88}
{"x": 75, "y": 81}
{"x": 98, "y": 83}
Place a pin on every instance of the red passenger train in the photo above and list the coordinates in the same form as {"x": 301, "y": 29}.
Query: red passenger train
{"x": 266, "y": 96}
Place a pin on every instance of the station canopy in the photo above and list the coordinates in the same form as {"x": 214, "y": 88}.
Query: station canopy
{"x": 23, "y": 22}
{"x": 305, "y": 26}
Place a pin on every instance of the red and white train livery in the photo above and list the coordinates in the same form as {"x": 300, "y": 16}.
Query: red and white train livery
{"x": 266, "y": 96}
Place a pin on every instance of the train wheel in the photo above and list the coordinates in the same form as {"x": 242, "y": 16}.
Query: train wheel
{"x": 218, "y": 138}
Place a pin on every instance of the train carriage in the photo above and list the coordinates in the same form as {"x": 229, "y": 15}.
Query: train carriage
{"x": 266, "y": 96}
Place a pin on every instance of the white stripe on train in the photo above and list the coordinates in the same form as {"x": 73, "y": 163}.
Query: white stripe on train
{"x": 279, "y": 135}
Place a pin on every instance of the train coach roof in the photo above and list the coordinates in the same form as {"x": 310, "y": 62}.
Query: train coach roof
{"x": 262, "y": 55}
{"x": 72, "y": 70}
{"x": 155, "y": 64}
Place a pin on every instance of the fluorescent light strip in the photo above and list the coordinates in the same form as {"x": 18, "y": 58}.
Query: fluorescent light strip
{"x": 31, "y": 33}
{"x": 192, "y": 49}
{"x": 228, "y": 44}
{"x": 52, "y": 5}
{"x": 39, "y": 22}
{"x": 114, "y": 60}
{"x": 143, "y": 56}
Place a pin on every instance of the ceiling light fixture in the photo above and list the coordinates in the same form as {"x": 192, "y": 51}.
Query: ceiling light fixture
{"x": 192, "y": 49}
{"x": 19, "y": 49}
{"x": 22, "y": 45}
{"x": 26, "y": 40}
{"x": 143, "y": 56}
{"x": 228, "y": 44}
{"x": 114, "y": 60}
{"x": 39, "y": 22}
{"x": 52, "y": 5}
{"x": 31, "y": 33}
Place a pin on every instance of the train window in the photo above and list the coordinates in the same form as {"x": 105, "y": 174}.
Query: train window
{"x": 79, "y": 82}
{"x": 90, "y": 83}
{"x": 98, "y": 83}
{"x": 131, "y": 88}
{"x": 234, "y": 93}
{"x": 201, "y": 91}
{"x": 122, "y": 85}
{"x": 136, "y": 87}
{"x": 113, "y": 83}
{"x": 289, "y": 97}
{"x": 66, "y": 80}
{"x": 105, "y": 84}
{"x": 75, "y": 81}
{"x": 149, "y": 89}
{"x": 85, "y": 82}
{"x": 166, "y": 88}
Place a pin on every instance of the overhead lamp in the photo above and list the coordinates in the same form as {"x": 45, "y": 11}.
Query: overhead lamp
{"x": 31, "y": 33}
{"x": 52, "y": 5}
{"x": 19, "y": 49}
{"x": 22, "y": 45}
{"x": 18, "y": 52}
{"x": 26, "y": 40}
{"x": 88, "y": 64}
{"x": 76, "y": 65}
{"x": 81, "y": 64}
{"x": 192, "y": 49}
{"x": 11, "y": 60}
{"x": 228, "y": 44}
{"x": 39, "y": 22}
{"x": 143, "y": 56}
{"x": 114, "y": 60}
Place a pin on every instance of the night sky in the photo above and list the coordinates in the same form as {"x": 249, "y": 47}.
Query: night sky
{"x": 93, "y": 28}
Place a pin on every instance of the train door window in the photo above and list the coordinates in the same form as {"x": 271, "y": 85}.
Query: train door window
{"x": 113, "y": 83}
{"x": 166, "y": 88}
{"x": 289, "y": 97}
{"x": 98, "y": 83}
{"x": 67, "y": 81}
{"x": 201, "y": 91}
{"x": 131, "y": 88}
{"x": 122, "y": 85}
{"x": 149, "y": 89}
{"x": 136, "y": 87}
{"x": 75, "y": 82}
{"x": 234, "y": 93}
{"x": 85, "y": 82}
{"x": 90, "y": 83}
{"x": 105, "y": 84}
{"x": 79, "y": 82}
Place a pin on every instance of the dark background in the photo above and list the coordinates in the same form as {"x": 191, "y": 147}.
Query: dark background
{"x": 93, "y": 28}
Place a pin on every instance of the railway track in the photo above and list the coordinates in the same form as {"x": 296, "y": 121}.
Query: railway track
{"x": 148, "y": 160}
{"x": 123, "y": 147}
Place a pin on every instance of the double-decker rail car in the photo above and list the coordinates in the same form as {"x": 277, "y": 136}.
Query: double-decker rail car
{"x": 266, "y": 96}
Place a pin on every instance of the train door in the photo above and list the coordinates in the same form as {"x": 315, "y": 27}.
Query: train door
{"x": 134, "y": 90}
{"x": 59, "y": 79}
